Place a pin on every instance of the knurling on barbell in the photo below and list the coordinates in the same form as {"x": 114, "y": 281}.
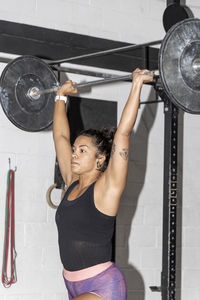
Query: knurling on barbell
{"x": 28, "y": 84}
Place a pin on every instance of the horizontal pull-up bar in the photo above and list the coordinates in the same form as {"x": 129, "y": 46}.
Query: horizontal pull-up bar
{"x": 104, "y": 52}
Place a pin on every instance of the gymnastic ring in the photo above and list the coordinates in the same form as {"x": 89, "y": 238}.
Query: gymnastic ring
{"x": 48, "y": 195}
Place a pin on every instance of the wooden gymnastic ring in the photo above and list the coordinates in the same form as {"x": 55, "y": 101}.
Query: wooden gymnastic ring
{"x": 48, "y": 195}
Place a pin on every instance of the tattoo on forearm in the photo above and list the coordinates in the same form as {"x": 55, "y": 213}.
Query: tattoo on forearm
{"x": 124, "y": 153}
{"x": 113, "y": 149}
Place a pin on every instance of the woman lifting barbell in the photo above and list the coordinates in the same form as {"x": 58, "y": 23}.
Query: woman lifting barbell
{"x": 95, "y": 171}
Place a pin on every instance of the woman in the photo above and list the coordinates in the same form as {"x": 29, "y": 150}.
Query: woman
{"x": 95, "y": 171}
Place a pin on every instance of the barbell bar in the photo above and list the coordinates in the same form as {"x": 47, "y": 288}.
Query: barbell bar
{"x": 35, "y": 93}
{"x": 28, "y": 84}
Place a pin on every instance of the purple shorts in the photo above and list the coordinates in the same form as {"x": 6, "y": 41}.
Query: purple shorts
{"x": 109, "y": 285}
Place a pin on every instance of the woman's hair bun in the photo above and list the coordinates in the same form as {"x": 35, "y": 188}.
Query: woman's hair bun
{"x": 108, "y": 133}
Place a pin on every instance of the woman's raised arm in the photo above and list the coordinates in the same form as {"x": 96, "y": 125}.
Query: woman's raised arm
{"x": 114, "y": 178}
{"x": 61, "y": 133}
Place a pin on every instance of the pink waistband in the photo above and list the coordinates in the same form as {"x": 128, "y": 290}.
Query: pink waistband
{"x": 86, "y": 273}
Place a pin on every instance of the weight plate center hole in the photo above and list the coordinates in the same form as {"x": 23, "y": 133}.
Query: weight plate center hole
{"x": 33, "y": 93}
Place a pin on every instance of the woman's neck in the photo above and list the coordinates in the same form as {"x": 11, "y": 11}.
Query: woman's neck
{"x": 85, "y": 180}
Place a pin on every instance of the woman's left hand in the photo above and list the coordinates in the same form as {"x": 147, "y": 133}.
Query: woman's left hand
{"x": 142, "y": 76}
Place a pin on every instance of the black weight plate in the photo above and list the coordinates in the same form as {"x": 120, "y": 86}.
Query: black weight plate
{"x": 179, "y": 65}
{"x": 175, "y": 13}
{"x": 20, "y": 75}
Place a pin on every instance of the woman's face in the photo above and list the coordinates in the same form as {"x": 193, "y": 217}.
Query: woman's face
{"x": 84, "y": 158}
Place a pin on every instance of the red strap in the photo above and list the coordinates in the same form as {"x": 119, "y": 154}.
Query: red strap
{"x": 9, "y": 234}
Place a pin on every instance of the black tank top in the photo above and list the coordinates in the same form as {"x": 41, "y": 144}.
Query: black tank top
{"x": 84, "y": 233}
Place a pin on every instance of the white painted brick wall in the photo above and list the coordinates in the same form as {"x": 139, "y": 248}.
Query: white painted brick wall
{"x": 139, "y": 222}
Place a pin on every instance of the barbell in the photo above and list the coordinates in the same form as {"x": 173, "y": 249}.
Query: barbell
{"x": 28, "y": 84}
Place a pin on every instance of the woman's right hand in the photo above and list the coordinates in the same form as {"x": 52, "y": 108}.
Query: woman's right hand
{"x": 67, "y": 88}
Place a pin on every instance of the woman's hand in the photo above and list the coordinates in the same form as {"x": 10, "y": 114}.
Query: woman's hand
{"x": 67, "y": 88}
{"x": 142, "y": 76}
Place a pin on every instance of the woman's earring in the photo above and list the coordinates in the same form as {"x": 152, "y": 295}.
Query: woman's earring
{"x": 98, "y": 165}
